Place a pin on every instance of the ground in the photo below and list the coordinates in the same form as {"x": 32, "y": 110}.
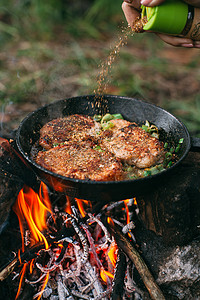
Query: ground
{"x": 34, "y": 73}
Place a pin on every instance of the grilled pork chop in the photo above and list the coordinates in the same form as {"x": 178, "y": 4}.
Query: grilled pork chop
{"x": 131, "y": 144}
{"x": 71, "y": 128}
{"x": 82, "y": 161}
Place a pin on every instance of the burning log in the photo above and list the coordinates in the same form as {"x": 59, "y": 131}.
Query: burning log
{"x": 118, "y": 287}
{"x": 31, "y": 253}
{"x": 139, "y": 263}
{"x": 24, "y": 257}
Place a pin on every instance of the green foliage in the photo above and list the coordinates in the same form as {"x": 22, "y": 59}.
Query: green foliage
{"x": 102, "y": 10}
{"x": 188, "y": 113}
{"x": 53, "y": 49}
{"x": 41, "y": 19}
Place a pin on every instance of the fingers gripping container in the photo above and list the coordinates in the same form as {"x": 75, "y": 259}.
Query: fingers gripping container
{"x": 173, "y": 17}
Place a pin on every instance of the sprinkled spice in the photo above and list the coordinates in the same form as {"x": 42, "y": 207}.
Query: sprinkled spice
{"x": 138, "y": 24}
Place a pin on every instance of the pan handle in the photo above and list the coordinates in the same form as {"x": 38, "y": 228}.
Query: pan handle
{"x": 195, "y": 144}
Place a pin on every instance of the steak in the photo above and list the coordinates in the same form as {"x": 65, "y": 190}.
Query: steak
{"x": 74, "y": 128}
{"x": 76, "y": 146}
{"x": 132, "y": 145}
{"x": 83, "y": 161}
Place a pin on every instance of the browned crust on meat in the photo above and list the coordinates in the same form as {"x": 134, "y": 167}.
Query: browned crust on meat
{"x": 71, "y": 128}
{"x": 82, "y": 162}
{"x": 78, "y": 155}
{"x": 134, "y": 146}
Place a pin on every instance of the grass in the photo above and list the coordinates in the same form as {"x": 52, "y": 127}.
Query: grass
{"x": 61, "y": 57}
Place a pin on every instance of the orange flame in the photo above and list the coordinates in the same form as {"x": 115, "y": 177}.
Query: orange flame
{"x": 31, "y": 266}
{"x": 110, "y": 221}
{"x": 127, "y": 211}
{"x": 44, "y": 285}
{"x": 135, "y": 201}
{"x": 20, "y": 282}
{"x": 33, "y": 208}
{"x": 80, "y": 203}
{"x": 104, "y": 274}
{"x": 112, "y": 253}
{"x": 68, "y": 208}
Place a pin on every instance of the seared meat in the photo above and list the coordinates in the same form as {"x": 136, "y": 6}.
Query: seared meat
{"x": 120, "y": 123}
{"x": 133, "y": 145}
{"x": 77, "y": 147}
{"x": 81, "y": 161}
{"x": 71, "y": 128}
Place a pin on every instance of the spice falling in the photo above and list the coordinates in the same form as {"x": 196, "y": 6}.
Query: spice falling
{"x": 105, "y": 69}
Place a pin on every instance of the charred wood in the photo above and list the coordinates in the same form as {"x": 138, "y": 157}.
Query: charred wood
{"x": 127, "y": 247}
{"x": 118, "y": 286}
{"x": 31, "y": 253}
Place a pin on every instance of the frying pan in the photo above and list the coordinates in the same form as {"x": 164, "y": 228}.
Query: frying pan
{"x": 171, "y": 130}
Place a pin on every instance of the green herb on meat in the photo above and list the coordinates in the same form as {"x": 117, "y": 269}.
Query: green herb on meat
{"x": 107, "y": 125}
{"x": 152, "y": 129}
{"x": 98, "y": 148}
{"x": 132, "y": 172}
{"x": 105, "y": 120}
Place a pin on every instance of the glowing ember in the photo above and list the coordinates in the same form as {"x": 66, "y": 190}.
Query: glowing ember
{"x": 72, "y": 257}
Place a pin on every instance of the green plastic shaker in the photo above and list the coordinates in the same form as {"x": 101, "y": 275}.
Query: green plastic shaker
{"x": 170, "y": 17}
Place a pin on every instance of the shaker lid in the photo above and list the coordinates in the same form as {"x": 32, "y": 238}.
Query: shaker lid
{"x": 170, "y": 17}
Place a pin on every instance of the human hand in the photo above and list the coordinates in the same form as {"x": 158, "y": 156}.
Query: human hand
{"x": 132, "y": 10}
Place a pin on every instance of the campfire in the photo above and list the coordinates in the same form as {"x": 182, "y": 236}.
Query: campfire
{"x": 69, "y": 252}
{"x": 69, "y": 248}
{"x": 75, "y": 254}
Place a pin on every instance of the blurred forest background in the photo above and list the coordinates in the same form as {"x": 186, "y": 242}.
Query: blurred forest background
{"x": 54, "y": 49}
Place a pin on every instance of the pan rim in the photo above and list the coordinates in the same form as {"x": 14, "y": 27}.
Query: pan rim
{"x": 93, "y": 182}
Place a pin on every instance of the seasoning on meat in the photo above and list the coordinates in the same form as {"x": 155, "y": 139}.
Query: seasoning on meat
{"x": 115, "y": 149}
{"x": 81, "y": 161}
{"x": 71, "y": 128}
{"x": 133, "y": 145}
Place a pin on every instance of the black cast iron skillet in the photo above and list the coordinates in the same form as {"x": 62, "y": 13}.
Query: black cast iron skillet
{"x": 131, "y": 109}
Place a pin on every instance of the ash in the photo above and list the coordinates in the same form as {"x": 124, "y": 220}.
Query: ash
{"x": 82, "y": 260}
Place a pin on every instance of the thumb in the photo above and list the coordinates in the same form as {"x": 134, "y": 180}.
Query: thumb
{"x": 152, "y": 2}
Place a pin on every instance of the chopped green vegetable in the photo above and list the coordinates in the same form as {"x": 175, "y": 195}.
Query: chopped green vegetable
{"x": 97, "y": 118}
{"x": 155, "y": 170}
{"x": 147, "y": 123}
{"x": 156, "y": 135}
{"x": 106, "y": 118}
{"x": 147, "y": 173}
{"x": 108, "y": 125}
{"x": 168, "y": 154}
{"x": 169, "y": 164}
{"x": 152, "y": 129}
{"x": 144, "y": 127}
{"x": 132, "y": 176}
{"x": 98, "y": 148}
{"x": 117, "y": 116}
{"x": 165, "y": 145}
{"x": 181, "y": 141}
{"x": 177, "y": 148}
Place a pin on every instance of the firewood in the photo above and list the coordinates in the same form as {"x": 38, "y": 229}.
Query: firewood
{"x": 124, "y": 244}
